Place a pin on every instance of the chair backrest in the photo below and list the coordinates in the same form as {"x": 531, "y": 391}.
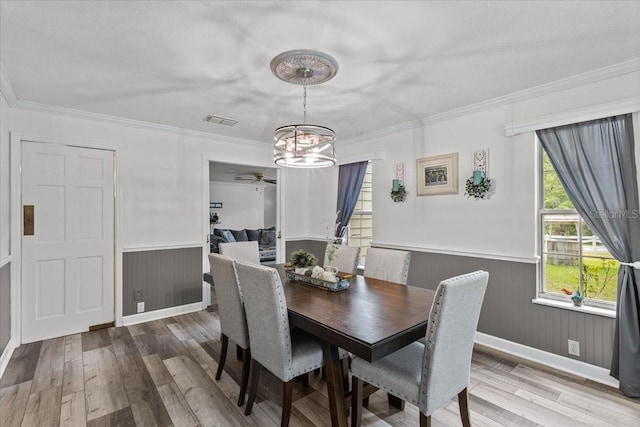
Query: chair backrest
{"x": 233, "y": 322}
{"x": 267, "y": 318}
{"x": 387, "y": 264}
{"x": 449, "y": 339}
{"x": 241, "y": 251}
{"x": 345, "y": 258}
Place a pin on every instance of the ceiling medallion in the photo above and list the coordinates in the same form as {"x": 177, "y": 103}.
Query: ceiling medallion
{"x": 304, "y": 145}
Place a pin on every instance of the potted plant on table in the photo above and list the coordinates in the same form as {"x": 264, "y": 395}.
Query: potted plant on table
{"x": 302, "y": 261}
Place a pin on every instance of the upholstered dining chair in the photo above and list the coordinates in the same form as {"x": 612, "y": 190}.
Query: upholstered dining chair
{"x": 430, "y": 375}
{"x": 233, "y": 322}
{"x": 286, "y": 352}
{"x": 241, "y": 251}
{"x": 345, "y": 257}
{"x": 387, "y": 264}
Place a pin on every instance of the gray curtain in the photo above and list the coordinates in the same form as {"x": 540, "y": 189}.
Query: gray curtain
{"x": 350, "y": 179}
{"x": 595, "y": 162}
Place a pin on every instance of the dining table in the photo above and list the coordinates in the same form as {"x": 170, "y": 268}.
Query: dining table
{"x": 371, "y": 319}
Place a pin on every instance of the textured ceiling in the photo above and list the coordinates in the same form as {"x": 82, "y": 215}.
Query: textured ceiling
{"x": 173, "y": 63}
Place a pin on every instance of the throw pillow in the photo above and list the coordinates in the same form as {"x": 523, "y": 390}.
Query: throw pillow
{"x": 268, "y": 238}
{"x": 228, "y": 235}
{"x": 240, "y": 235}
{"x": 218, "y": 232}
{"x": 254, "y": 234}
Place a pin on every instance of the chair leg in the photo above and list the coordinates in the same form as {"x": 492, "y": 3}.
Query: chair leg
{"x": 395, "y": 402}
{"x": 425, "y": 420}
{"x": 287, "y": 395}
{"x": 253, "y": 387}
{"x": 246, "y": 362}
{"x": 223, "y": 356}
{"x": 356, "y": 402}
{"x": 345, "y": 374}
{"x": 304, "y": 379}
{"x": 464, "y": 408}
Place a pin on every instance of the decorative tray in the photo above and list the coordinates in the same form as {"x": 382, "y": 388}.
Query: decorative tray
{"x": 342, "y": 283}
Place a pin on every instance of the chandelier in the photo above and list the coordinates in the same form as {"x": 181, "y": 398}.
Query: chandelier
{"x": 304, "y": 145}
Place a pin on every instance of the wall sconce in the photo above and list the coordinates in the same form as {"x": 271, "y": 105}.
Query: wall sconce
{"x": 398, "y": 192}
{"x": 479, "y": 185}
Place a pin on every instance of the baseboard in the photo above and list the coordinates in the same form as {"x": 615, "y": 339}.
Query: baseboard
{"x": 6, "y": 355}
{"x": 561, "y": 363}
{"x": 161, "y": 314}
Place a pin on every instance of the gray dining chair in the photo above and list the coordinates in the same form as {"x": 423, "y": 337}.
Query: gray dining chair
{"x": 430, "y": 375}
{"x": 233, "y": 322}
{"x": 345, "y": 257}
{"x": 387, "y": 264}
{"x": 286, "y": 352}
{"x": 241, "y": 251}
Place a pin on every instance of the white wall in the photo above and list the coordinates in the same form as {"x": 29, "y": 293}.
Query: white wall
{"x": 5, "y": 192}
{"x": 270, "y": 206}
{"x": 242, "y": 204}
{"x": 504, "y": 225}
{"x": 310, "y": 202}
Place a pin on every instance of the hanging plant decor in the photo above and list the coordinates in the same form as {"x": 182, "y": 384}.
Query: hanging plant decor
{"x": 399, "y": 195}
{"x": 478, "y": 191}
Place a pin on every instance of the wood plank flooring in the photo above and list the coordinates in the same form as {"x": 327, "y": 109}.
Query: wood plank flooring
{"x": 161, "y": 373}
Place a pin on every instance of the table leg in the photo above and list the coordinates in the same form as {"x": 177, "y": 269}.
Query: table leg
{"x": 335, "y": 389}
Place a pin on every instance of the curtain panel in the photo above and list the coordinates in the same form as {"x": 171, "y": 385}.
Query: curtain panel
{"x": 595, "y": 162}
{"x": 350, "y": 178}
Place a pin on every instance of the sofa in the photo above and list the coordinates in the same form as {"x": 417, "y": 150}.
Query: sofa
{"x": 266, "y": 238}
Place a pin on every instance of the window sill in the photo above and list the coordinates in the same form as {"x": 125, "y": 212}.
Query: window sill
{"x": 569, "y": 306}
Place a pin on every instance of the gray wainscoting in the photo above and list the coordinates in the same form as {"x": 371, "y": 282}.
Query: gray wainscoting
{"x": 316, "y": 247}
{"x": 507, "y": 311}
{"x": 166, "y": 277}
{"x": 5, "y": 306}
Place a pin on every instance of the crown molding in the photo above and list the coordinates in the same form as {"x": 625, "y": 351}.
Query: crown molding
{"x": 105, "y": 118}
{"x": 593, "y": 76}
{"x": 7, "y": 88}
{"x": 624, "y": 106}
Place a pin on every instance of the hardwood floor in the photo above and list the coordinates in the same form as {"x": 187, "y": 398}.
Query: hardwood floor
{"x": 161, "y": 373}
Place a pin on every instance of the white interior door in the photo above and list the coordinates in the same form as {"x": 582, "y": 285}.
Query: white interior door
{"x": 68, "y": 260}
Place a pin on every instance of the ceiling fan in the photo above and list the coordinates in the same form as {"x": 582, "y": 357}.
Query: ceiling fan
{"x": 254, "y": 178}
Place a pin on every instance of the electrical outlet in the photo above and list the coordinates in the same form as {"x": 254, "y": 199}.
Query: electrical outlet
{"x": 574, "y": 348}
{"x": 137, "y": 294}
{"x": 141, "y": 307}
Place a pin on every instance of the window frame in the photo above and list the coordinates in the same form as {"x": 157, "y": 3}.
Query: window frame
{"x": 541, "y": 292}
{"x": 362, "y": 213}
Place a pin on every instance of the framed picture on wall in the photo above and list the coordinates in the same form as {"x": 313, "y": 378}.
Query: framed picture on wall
{"x": 215, "y": 205}
{"x": 437, "y": 175}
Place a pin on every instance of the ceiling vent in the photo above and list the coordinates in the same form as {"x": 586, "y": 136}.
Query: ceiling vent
{"x": 220, "y": 120}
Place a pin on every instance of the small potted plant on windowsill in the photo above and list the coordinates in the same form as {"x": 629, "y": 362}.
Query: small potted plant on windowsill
{"x": 576, "y": 296}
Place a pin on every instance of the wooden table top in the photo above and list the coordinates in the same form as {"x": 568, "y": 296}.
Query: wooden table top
{"x": 371, "y": 318}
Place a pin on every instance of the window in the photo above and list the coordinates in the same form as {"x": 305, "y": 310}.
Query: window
{"x": 360, "y": 229}
{"x": 572, "y": 256}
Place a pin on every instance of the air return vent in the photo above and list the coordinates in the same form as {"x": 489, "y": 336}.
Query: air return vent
{"x": 220, "y": 120}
